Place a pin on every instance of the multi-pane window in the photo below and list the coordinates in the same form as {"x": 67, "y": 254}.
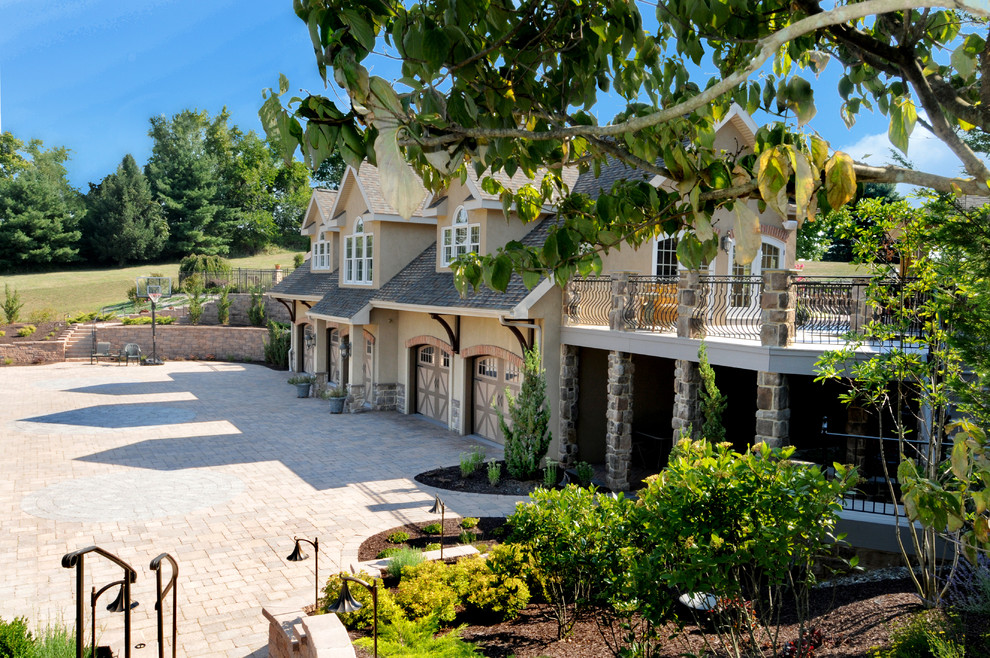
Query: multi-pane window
{"x": 666, "y": 257}
{"x": 358, "y": 251}
{"x": 426, "y": 355}
{"x": 487, "y": 368}
{"x": 461, "y": 238}
{"x": 321, "y": 254}
{"x": 770, "y": 260}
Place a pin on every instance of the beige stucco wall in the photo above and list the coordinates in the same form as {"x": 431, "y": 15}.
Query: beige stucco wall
{"x": 396, "y": 245}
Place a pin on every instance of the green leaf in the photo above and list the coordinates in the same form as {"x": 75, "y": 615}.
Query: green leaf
{"x": 362, "y": 32}
{"x": 964, "y": 61}
{"x": 283, "y": 84}
{"x": 840, "y": 180}
{"x": 530, "y": 278}
{"x": 903, "y": 116}
{"x": 501, "y": 272}
{"x": 960, "y": 460}
{"x": 436, "y": 47}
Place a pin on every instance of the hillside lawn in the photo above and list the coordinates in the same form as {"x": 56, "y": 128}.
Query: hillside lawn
{"x": 70, "y": 292}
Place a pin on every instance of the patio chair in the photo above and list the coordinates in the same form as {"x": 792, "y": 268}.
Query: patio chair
{"x": 131, "y": 351}
{"x": 101, "y": 350}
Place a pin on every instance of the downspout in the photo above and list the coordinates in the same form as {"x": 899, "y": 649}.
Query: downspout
{"x": 505, "y": 322}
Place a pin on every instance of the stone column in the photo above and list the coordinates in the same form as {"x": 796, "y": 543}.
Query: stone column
{"x": 279, "y": 274}
{"x": 778, "y": 303}
{"x": 773, "y": 413}
{"x": 621, "y": 307}
{"x": 688, "y": 288}
{"x": 567, "y": 432}
{"x": 619, "y": 417}
{"x": 357, "y": 388}
{"x": 687, "y": 408}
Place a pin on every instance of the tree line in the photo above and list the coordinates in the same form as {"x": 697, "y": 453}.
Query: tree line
{"x": 207, "y": 188}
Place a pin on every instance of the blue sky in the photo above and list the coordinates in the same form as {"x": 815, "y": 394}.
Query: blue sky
{"x": 88, "y": 74}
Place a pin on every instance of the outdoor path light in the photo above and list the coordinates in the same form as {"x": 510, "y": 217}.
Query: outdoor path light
{"x": 117, "y": 605}
{"x": 347, "y": 603}
{"x": 439, "y": 508}
{"x": 298, "y": 556}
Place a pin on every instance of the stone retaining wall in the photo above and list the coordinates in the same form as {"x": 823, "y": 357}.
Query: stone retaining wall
{"x": 190, "y": 342}
{"x": 239, "y": 305}
{"x": 32, "y": 351}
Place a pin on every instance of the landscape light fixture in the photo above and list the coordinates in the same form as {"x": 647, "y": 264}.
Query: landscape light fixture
{"x": 439, "y": 508}
{"x": 119, "y": 604}
{"x": 297, "y": 555}
{"x": 347, "y": 603}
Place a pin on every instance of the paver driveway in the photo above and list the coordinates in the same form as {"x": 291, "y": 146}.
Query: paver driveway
{"x": 217, "y": 464}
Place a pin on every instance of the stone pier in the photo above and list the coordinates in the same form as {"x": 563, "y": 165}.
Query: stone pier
{"x": 773, "y": 414}
{"x": 619, "y": 417}
{"x": 567, "y": 431}
{"x": 687, "y": 408}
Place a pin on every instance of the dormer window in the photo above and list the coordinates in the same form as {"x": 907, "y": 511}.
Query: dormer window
{"x": 461, "y": 238}
{"x": 358, "y": 249}
{"x": 321, "y": 253}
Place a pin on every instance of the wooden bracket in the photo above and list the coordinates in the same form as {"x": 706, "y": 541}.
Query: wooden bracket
{"x": 453, "y": 334}
{"x": 289, "y": 306}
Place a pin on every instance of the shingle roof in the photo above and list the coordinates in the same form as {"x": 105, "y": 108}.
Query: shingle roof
{"x": 612, "y": 171}
{"x": 304, "y": 283}
{"x": 419, "y": 284}
{"x": 324, "y": 199}
{"x": 372, "y": 187}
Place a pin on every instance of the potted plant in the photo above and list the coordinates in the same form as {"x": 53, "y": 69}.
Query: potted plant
{"x": 302, "y": 384}
{"x": 336, "y": 395}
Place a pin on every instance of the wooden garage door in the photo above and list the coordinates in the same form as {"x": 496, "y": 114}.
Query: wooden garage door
{"x": 491, "y": 378}
{"x": 336, "y": 372}
{"x": 432, "y": 373}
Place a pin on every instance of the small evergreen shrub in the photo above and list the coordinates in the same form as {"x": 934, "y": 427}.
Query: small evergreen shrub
{"x": 223, "y": 306}
{"x": 193, "y": 287}
{"x": 471, "y": 461}
{"x": 433, "y": 528}
{"x": 298, "y": 260}
{"x": 550, "y": 474}
{"x": 278, "y": 344}
{"x": 42, "y": 315}
{"x": 398, "y": 537}
{"x": 203, "y": 265}
{"x": 15, "y": 638}
{"x": 527, "y": 440}
{"x": 26, "y": 330}
{"x": 585, "y": 473}
{"x": 467, "y": 537}
{"x": 419, "y": 639}
{"x": 388, "y": 610}
{"x": 711, "y": 400}
{"x": 403, "y": 559}
{"x": 469, "y": 522}
{"x": 55, "y": 641}
{"x": 425, "y": 590}
{"x": 494, "y": 472}
{"x": 12, "y": 304}
{"x": 256, "y": 312}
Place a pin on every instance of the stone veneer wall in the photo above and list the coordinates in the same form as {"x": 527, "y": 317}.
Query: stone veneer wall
{"x": 191, "y": 342}
{"x": 619, "y": 417}
{"x": 773, "y": 414}
{"x": 385, "y": 397}
{"x": 32, "y": 351}
{"x": 400, "y": 397}
{"x": 687, "y": 410}
{"x": 567, "y": 432}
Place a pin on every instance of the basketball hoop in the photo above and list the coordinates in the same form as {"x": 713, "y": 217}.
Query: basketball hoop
{"x": 154, "y": 297}
{"x": 152, "y": 288}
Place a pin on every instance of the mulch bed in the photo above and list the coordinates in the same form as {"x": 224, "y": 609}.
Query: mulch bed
{"x": 487, "y": 530}
{"x": 449, "y": 477}
{"x": 41, "y": 332}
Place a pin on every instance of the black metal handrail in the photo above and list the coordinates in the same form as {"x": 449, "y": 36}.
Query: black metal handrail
{"x": 654, "y": 300}
{"x": 156, "y": 566}
{"x": 588, "y": 301}
{"x": 76, "y": 559}
{"x": 730, "y": 306}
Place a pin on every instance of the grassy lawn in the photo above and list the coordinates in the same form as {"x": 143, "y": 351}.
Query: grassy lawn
{"x": 822, "y": 268}
{"x": 82, "y": 290}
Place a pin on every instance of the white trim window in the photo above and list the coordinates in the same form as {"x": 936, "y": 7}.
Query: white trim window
{"x": 321, "y": 253}
{"x": 665, "y": 256}
{"x": 358, "y": 255}
{"x": 461, "y": 238}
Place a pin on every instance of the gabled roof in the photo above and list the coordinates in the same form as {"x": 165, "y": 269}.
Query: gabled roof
{"x": 304, "y": 284}
{"x": 368, "y": 184}
{"x": 318, "y": 210}
{"x": 419, "y": 284}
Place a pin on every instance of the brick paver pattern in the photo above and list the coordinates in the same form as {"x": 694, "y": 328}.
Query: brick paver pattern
{"x": 218, "y": 464}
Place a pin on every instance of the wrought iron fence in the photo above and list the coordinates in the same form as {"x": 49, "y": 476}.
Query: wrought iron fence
{"x": 238, "y": 279}
{"x": 589, "y": 300}
{"x": 827, "y": 309}
{"x": 729, "y": 306}
{"x": 654, "y": 300}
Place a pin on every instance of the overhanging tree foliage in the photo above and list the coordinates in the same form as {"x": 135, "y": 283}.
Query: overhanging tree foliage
{"x": 506, "y": 87}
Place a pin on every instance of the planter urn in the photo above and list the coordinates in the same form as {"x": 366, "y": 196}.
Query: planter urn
{"x": 337, "y": 404}
{"x": 302, "y": 390}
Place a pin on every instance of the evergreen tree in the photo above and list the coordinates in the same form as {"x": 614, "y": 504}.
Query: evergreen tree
{"x": 39, "y": 210}
{"x": 527, "y": 440}
{"x": 713, "y": 402}
{"x": 183, "y": 179}
{"x": 123, "y": 223}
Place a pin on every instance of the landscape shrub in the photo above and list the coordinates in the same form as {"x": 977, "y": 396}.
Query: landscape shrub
{"x": 527, "y": 440}
{"x": 550, "y": 474}
{"x": 403, "y": 559}
{"x": 54, "y": 641}
{"x": 278, "y": 344}
{"x": 42, "y": 315}
{"x": 712, "y": 402}
{"x": 388, "y": 552}
{"x": 433, "y": 528}
{"x": 2, "y": 333}
{"x": 26, "y": 330}
{"x": 467, "y": 537}
{"x": 469, "y": 522}
{"x": 223, "y": 306}
{"x": 404, "y": 638}
{"x": 298, "y": 260}
{"x": 398, "y": 537}
{"x": 741, "y": 527}
{"x": 433, "y": 546}
{"x": 15, "y": 638}
{"x": 256, "y": 312}
{"x": 926, "y": 634}
{"x": 501, "y": 594}
{"x": 494, "y": 472}
{"x": 426, "y": 590}
{"x": 969, "y": 588}
{"x": 388, "y": 610}
{"x": 203, "y": 265}
{"x": 12, "y": 304}
{"x": 146, "y": 319}
{"x": 585, "y": 473}
{"x": 471, "y": 461}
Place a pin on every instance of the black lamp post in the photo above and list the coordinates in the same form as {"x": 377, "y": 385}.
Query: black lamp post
{"x": 441, "y": 509}
{"x": 119, "y": 604}
{"x": 298, "y": 556}
{"x": 347, "y": 603}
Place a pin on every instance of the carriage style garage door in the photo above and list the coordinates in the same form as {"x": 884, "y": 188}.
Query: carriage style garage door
{"x": 432, "y": 375}
{"x": 491, "y": 377}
